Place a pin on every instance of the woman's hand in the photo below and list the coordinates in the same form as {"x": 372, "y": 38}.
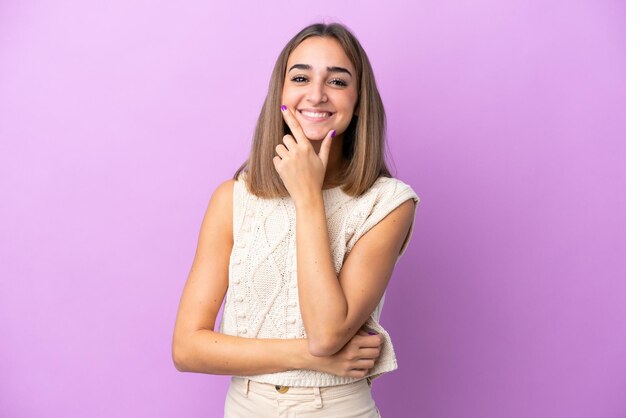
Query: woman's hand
{"x": 355, "y": 359}
{"x": 301, "y": 169}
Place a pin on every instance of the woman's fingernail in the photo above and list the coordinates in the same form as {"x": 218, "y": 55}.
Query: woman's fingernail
{"x": 332, "y": 135}
{"x": 283, "y": 108}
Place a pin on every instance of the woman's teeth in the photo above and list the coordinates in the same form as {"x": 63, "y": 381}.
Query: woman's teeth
{"x": 315, "y": 115}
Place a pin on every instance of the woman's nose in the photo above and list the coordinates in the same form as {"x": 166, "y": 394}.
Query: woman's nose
{"x": 317, "y": 93}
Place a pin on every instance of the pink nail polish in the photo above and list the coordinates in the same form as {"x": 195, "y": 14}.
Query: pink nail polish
{"x": 333, "y": 134}
{"x": 283, "y": 108}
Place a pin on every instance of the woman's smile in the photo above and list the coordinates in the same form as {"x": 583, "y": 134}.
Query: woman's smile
{"x": 315, "y": 115}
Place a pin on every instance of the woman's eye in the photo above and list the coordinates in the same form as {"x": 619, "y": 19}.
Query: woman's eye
{"x": 339, "y": 82}
{"x": 298, "y": 79}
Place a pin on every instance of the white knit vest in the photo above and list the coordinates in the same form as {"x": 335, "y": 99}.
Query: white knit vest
{"x": 262, "y": 295}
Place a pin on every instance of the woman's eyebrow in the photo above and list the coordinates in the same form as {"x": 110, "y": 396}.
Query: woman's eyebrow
{"x": 329, "y": 69}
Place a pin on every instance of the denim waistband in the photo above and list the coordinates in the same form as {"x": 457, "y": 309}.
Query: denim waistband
{"x": 271, "y": 391}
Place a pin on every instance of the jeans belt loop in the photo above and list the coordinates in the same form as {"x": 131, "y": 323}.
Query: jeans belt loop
{"x": 318, "y": 397}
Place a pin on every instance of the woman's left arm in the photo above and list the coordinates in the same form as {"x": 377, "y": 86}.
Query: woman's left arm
{"x": 334, "y": 308}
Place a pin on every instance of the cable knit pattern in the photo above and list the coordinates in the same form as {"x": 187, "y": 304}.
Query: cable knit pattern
{"x": 262, "y": 296}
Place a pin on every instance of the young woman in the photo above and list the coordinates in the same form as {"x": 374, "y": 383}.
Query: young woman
{"x": 302, "y": 243}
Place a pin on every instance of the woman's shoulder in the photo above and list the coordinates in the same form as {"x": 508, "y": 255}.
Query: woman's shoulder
{"x": 225, "y": 188}
{"x": 222, "y": 198}
{"x": 390, "y": 186}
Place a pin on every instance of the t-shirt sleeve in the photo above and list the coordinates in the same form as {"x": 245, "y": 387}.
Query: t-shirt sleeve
{"x": 386, "y": 195}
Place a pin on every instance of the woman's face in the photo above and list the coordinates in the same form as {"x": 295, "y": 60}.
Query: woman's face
{"x": 320, "y": 87}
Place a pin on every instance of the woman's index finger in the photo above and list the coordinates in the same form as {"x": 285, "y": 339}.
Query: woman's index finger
{"x": 293, "y": 124}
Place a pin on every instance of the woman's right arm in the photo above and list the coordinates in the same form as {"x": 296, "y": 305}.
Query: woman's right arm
{"x": 196, "y": 347}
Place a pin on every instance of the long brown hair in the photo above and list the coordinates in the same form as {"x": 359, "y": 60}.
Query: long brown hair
{"x": 364, "y": 139}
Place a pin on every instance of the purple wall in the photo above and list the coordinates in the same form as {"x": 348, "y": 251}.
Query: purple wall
{"x": 118, "y": 119}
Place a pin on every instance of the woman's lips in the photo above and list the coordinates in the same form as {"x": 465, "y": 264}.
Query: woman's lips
{"x": 315, "y": 116}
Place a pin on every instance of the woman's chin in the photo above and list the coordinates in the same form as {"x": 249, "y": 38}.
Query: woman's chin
{"x": 315, "y": 135}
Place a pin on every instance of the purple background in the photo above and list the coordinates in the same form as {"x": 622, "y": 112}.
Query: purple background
{"x": 118, "y": 119}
